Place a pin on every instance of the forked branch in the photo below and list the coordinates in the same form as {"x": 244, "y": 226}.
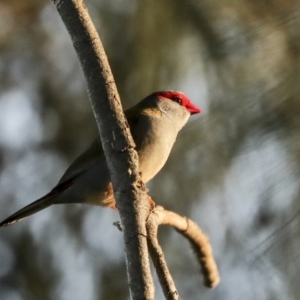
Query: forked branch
{"x": 117, "y": 142}
{"x": 122, "y": 161}
{"x": 197, "y": 238}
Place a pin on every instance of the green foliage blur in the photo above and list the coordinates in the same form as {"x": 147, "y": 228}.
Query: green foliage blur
{"x": 234, "y": 169}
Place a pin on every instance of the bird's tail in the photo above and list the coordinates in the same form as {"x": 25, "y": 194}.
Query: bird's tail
{"x": 28, "y": 210}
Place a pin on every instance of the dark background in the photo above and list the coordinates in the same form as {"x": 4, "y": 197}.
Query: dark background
{"x": 234, "y": 169}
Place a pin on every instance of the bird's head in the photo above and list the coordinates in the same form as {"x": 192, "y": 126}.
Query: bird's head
{"x": 179, "y": 98}
{"x": 169, "y": 107}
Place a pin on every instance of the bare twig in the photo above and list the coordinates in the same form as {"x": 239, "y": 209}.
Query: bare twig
{"x": 198, "y": 240}
{"x": 158, "y": 259}
{"x": 121, "y": 157}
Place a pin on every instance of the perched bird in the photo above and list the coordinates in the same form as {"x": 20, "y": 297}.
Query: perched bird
{"x": 154, "y": 123}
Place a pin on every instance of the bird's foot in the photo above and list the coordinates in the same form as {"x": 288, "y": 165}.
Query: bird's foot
{"x": 151, "y": 202}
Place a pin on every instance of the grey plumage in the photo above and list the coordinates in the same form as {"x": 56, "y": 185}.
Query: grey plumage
{"x": 154, "y": 123}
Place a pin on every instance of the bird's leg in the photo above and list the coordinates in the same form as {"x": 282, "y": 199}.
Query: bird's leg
{"x": 151, "y": 202}
{"x": 114, "y": 206}
{"x": 111, "y": 202}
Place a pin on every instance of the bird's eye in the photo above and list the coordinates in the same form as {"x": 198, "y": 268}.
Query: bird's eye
{"x": 178, "y": 100}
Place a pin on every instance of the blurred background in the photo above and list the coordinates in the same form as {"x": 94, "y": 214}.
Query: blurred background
{"x": 234, "y": 169}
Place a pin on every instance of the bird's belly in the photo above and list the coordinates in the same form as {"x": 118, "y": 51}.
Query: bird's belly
{"x": 106, "y": 199}
{"x": 92, "y": 187}
{"x": 152, "y": 161}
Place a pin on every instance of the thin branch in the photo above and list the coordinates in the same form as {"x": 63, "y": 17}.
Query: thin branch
{"x": 158, "y": 259}
{"x": 117, "y": 142}
{"x": 198, "y": 240}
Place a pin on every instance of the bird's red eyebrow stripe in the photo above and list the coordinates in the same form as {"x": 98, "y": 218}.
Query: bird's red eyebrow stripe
{"x": 171, "y": 95}
{"x": 191, "y": 107}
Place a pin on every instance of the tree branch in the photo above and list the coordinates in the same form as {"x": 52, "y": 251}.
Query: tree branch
{"x": 198, "y": 240}
{"x": 117, "y": 142}
{"x": 158, "y": 259}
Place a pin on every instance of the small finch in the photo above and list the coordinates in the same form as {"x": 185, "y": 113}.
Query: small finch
{"x": 154, "y": 123}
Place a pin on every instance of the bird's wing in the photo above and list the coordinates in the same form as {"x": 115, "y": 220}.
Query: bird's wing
{"x": 133, "y": 118}
{"x": 89, "y": 158}
{"x": 94, "y": 154}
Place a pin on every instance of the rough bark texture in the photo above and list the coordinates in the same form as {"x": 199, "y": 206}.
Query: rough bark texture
{"x": 117, "y": 142}
{"x": 158, "y": 259}
{"x": 198, "y": 240}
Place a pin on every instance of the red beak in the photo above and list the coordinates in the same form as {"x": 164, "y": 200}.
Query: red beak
{"x": 192, "y": 108}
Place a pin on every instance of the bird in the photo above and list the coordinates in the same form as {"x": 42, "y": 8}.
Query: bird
{"x": 154, "y": 124}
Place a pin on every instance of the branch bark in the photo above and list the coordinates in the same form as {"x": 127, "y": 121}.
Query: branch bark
{"x": 117, "y": 142}
{"x": 198, "y": 240}
{"x": 158, "y": 259}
